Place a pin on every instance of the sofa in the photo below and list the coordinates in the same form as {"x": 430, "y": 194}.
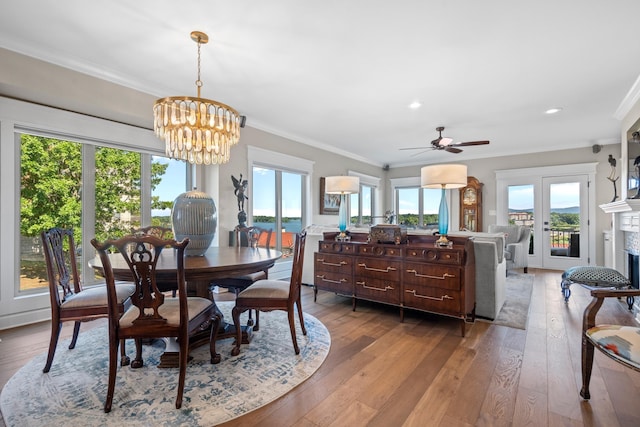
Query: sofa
{"x": 516, "y": 242}
{"x": 491, "y": 272}
{"x": 490, "y": 265}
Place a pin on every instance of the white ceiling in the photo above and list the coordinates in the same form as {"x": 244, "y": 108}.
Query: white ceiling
{"x": 341, "y": 74}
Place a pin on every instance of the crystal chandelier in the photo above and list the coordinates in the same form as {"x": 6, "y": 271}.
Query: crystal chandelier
{"x": 197, "y": 130}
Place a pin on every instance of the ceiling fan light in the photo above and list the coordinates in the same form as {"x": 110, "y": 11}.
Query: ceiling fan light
{"x": 445, "y": 141}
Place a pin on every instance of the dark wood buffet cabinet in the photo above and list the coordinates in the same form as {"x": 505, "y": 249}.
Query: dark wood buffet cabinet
{"x": 417, "y": 275}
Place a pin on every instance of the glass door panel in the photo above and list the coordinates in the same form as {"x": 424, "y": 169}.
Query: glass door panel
{"x": 565, "y": 222}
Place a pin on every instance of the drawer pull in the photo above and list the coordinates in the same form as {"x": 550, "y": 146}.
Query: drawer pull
{"x": 386, "y": 288}
{"x": 442, "y": 298}
{"x": 321, "y": 277}
{"x": 333, "y": 264}
{"x": 443, "y": 277}
{"x": 381, "y": 270}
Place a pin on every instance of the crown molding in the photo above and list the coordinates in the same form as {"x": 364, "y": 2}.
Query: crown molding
{"x": 628, "y": 101}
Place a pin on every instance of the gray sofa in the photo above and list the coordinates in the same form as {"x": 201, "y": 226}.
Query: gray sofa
{"x": 516, "y": 249}
{"x": 491, "y": 272}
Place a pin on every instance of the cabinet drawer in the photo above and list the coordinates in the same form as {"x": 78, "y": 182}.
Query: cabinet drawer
{"x": 380, "y": 251}
{"x": 437, "y": 300}
{"x": 337, "y": 247}
{"x": 334, "y": 282}
{"x": 380, "y": 290}
{"x": 333, "y": 262}
{"x": 377, "y": 268}
{"x": 435, "y": 255}
{"x": 436, "y": 276}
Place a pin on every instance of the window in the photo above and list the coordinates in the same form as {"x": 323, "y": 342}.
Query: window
{"x": 52, "y": 194}
{"x": 277, "y": 204}
{"x": 417, "y": 207}
{"x": 362, "y": 206}
{"x": 278, "y": 197}
{"x": 167, "y": 183}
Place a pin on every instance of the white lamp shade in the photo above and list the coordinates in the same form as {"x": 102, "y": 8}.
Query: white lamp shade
{"x": 443, "y": 176}
{"x": 343, "y": 184}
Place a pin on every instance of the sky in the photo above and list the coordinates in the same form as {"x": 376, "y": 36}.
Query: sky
{"x": 172, "y": 184}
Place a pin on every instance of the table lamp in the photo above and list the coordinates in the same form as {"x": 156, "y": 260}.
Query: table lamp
{"x": 342, "y": 185}
{"x": 444, "y": 177}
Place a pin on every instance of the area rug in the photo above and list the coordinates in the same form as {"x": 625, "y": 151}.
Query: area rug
{"x": 73, "y": 392}
{"x": 515, "y": 310}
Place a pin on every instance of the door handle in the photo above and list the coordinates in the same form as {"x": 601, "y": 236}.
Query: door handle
{"x": 546, "y": 229}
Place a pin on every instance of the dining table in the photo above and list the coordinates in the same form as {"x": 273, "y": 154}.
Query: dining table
{"x": 200, "y": 273}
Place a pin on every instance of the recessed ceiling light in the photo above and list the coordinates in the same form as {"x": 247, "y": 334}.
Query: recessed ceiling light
{"x": 553, "y": 110}
{"x": 415, "y": 104}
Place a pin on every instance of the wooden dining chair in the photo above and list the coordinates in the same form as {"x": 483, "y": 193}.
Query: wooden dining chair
{"x": 154, "y": 230}
{"x": 161, "y": 233}
{"x": 252, "y": 237}
{"x": 269, "y": 295}
{"x": 152, "y": 315}
{"x": 70, "y": 302}
{"x": 618, "y": 342}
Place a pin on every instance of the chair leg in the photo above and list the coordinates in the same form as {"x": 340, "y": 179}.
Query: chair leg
{"x": 183, "y": 357}
{"x": 124, "y": 359}
{"x": 304, "y": 330}
{"x": 235, "y": 313}
{"x": 213, "y": 337}
{"x": 76, "y": 332}
{"x": 53, "y": 342}
{"x": 292, "y": 328}
{"x": 113, "y": 369}
{"x": 256, "y": 327}
{"x": 587, "y": 366}
{"x": 138, "y": 362}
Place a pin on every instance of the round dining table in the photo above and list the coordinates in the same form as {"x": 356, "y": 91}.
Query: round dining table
{"x": 200, "y": 273}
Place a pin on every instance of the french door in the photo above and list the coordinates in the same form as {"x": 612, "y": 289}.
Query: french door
{"x": 555, "y": 203}
{"x": 565, "y": 220}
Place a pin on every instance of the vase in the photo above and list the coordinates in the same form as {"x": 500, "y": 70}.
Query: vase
{"x": 194, "y": 216}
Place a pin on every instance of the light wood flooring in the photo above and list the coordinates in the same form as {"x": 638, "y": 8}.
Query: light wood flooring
{"x": 381, "y": 372}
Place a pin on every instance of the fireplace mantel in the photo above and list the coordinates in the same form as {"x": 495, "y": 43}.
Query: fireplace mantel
{"x": 627, "y": 205}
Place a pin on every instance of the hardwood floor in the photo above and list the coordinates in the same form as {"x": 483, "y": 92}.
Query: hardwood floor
{"x": 381, "y": 372}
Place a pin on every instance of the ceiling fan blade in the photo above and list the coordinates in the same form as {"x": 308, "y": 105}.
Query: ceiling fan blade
{"x": 453, "y": 150}
{"x": 420, "y": 152}
{"x": 412, "y": 148}
{"x": 463, "y": 144}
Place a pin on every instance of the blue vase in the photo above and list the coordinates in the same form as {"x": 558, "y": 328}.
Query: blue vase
{"x": 194, "y": 216}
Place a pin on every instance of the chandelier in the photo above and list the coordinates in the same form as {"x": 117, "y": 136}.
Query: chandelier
{"x": 197, "y": 130}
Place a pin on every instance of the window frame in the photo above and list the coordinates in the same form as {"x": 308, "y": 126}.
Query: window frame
{"x": 18, "y": 117}
{"x": 260, "y": 157}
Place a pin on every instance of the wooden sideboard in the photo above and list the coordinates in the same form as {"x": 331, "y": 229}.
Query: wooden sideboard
{"x": 417, "y": 275}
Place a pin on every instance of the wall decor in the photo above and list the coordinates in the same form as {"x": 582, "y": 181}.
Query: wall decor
{"x": 329, "y": 203}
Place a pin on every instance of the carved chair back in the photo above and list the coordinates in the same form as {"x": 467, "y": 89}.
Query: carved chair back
{"x": 252, "y": 236}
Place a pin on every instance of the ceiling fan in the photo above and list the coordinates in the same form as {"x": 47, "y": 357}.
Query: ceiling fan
{"x": 446, "y": 144}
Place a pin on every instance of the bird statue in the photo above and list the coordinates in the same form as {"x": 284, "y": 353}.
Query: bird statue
{"x": 612, "y": 177}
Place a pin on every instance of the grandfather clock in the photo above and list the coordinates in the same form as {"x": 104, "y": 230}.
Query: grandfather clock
{"x": 471, "y": 205}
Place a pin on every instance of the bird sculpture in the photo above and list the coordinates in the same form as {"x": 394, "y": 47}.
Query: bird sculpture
{"x": 612, "y": 177}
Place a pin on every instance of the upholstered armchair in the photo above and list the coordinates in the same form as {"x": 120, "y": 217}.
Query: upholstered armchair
{"x": 516, "y": 240}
